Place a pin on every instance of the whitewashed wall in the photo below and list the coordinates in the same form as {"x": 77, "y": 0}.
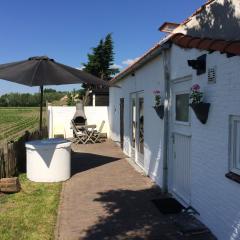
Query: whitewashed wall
{"x": 147, "y": 79}
{"x": 218, "y": 20}
{"x": 60, "y": 119}
{"x": 214, "y": 196}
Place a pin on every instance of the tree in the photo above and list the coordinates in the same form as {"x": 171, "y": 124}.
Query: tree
{"x": 29, "y": 100}
{"x": 108, "y": 59}
{"x": 101, "y": 60}
{"x": 49, "y": 90}
{"x": 70, "y": 99}
{"x": 100, "y": 63}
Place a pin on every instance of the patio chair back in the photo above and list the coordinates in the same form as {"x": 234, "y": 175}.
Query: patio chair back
{"x": 97, "y": 134}
{"x": 101, "y": 126}
{"x": 80, "y": 137}
{"x": 74, "y": 127}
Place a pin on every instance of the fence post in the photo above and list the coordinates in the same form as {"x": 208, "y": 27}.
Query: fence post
{"x": 13, "y": 154}
{"x": 2, "y": 168}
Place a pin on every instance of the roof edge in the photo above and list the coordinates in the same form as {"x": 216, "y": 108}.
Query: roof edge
{"x": 184, "y": 41}
{"x": 163, "y": 27}
{"x": 149, "y": 55}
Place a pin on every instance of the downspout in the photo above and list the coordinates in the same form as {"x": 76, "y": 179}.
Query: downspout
{"x": 166, "y": 65}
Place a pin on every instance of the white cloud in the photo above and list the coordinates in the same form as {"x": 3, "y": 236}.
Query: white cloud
{"x": 80, "y": 68}
{"x": 117, "y": 66}
{"x": 129, "y": 61}
{"x": 113, "y": 66}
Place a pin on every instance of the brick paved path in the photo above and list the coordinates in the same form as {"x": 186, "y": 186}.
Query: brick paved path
{"x": 106, "y": 198}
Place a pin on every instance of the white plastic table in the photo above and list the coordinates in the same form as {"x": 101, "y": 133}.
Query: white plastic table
{"x": 48, "y": 160}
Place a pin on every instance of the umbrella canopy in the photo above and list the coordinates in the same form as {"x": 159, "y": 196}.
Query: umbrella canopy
{"x": 42, "y": 71}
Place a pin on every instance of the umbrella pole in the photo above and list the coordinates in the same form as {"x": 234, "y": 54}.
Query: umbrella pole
{"x": 41, "y": 110}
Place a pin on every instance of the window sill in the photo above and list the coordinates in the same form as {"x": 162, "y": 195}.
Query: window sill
{"x": 233, "y": 176}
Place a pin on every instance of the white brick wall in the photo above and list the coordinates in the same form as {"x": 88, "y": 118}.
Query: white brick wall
{"x": 213, "y": 195}
{"x": 147, "y": 79}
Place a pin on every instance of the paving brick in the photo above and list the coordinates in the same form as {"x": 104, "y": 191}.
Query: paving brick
{"x": 106, "y": 198}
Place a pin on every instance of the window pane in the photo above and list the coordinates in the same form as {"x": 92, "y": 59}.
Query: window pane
{"x": 133, "y": 122}
{"x": 182, "y": 107}
{"x": 141, "y": 125}
{"x": 237, "y": 145}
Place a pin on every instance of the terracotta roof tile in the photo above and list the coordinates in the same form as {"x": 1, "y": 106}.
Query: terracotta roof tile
{"x": 185, "y": 40}
{"x": 233, "y": 48}
{"x": 219, "y": 45}
{"x": 206, "y": 44}
{"x": 194, "y": 42}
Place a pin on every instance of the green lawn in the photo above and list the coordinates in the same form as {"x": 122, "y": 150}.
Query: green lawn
{"x": 30, "y": 214}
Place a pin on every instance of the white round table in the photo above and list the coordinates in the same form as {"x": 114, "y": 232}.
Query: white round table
{"x": 48, "y": 160}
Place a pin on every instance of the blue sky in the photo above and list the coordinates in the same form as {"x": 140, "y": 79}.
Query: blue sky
{"x": 66, "y": 30}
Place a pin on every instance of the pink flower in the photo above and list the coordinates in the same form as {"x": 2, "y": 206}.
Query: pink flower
{"x": 156, "y": 92}
{"x": 195, "y": 87}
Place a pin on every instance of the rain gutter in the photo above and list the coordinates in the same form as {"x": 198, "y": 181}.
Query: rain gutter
{"x": 167, "y": 74}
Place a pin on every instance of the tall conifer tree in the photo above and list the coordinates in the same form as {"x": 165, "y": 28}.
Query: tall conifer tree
{"x": 100, "y": 63}
{"x": 101, "y": 60}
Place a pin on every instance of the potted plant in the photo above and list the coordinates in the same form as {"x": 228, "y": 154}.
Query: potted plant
{"x": 158, "y": 106}
{"x": 199, "y": 107}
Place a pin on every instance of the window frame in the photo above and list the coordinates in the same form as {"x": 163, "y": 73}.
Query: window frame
{"x": 233, "y": 119}
{"x": 132, "y": 96}
{"x": 175, "y": 106}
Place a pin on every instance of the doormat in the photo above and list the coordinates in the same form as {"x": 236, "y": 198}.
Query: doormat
{"x": 168, "y": 205}
{"x": 190, "y": 226}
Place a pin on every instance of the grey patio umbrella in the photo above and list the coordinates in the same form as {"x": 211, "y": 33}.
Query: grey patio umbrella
{"x": 42, "y": 71}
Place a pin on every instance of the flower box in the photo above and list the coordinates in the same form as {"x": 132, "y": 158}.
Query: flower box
{"x": 159, "y": 110}
{"x": 201, "y": 111}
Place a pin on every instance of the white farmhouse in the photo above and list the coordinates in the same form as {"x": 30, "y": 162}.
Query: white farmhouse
{"x": 193, "y": 155}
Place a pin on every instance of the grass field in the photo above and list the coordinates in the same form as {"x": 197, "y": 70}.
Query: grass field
{"x": 14, "y": 121}
{"x": 30, "y": 214}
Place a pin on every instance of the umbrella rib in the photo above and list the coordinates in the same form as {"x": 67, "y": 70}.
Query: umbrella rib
{"x": 96, "y": 80}
{"x": 35, "y": 72}
{"x": 72, "y": 74}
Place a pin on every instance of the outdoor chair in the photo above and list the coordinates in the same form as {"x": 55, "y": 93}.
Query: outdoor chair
{"x": 96, "y": 136}
{"x": 81, "y": 136}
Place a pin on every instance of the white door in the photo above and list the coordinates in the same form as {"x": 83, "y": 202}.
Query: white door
{"x": 137, "y": 127}
{"x": 140, "y": 130}
{"x": 133, "y": 124}
{"x": 181, "y": 140}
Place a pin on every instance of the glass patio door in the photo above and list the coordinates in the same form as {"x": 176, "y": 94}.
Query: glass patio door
{"x": 137, "y": 128}
{"x": 133, "y": 124}
{"x": 140, "y": 129}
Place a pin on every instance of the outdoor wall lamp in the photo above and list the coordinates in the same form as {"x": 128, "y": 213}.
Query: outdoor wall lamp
{"x": 199, "y": 64}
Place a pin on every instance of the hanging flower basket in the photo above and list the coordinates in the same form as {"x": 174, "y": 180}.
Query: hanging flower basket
{"x": 159, "y": 107}
{"x": 159, "y": 110}
{"x": 200, "y": 108}
{"x": 201, "y": 111}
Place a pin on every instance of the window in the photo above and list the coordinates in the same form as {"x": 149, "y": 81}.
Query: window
{"x": 182, "y": 107}
{"x": 234, "y": 144}
{"x": 133, "y": 120}
{"x": 141, "y": 124}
